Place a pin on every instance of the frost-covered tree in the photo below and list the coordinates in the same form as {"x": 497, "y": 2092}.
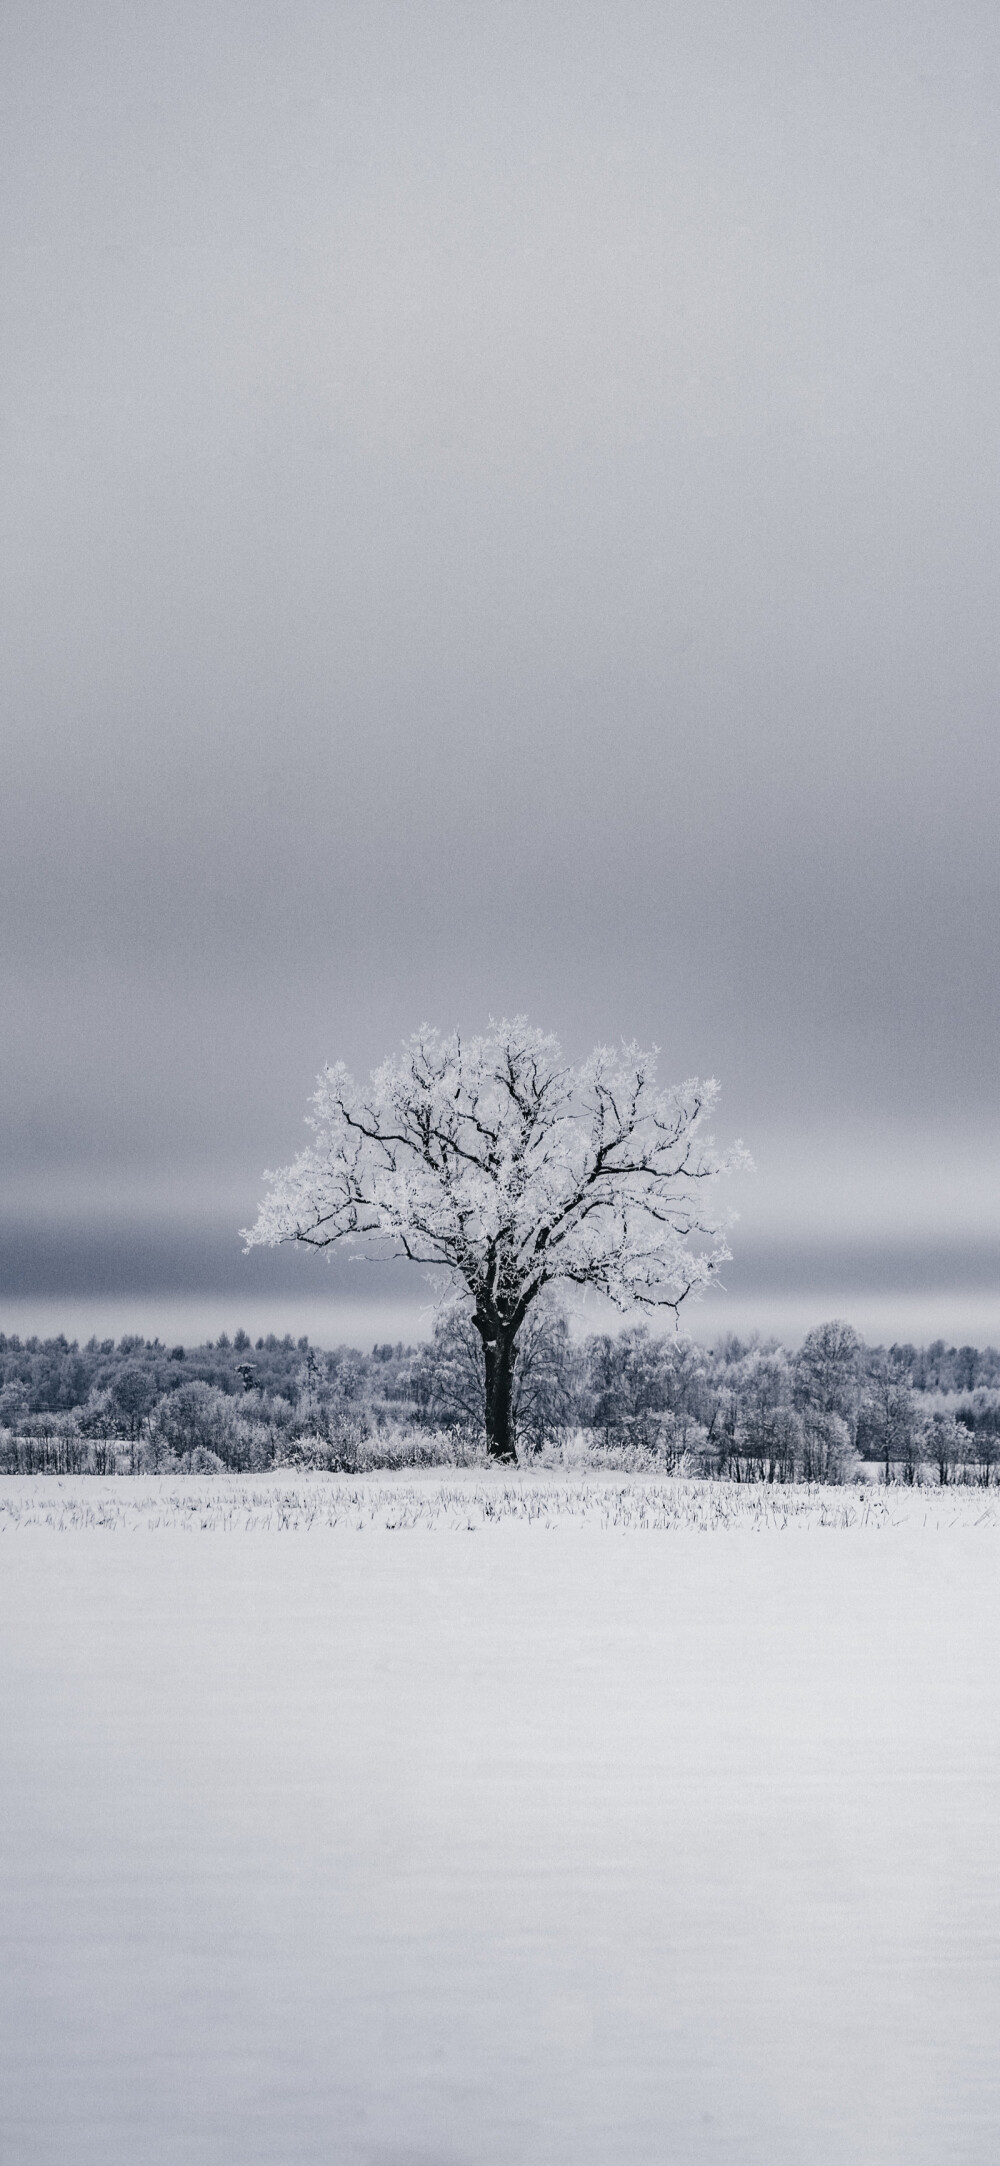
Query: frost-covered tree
{"x": 196, "y": 1417}
{"x": 133, "y": 1395}
{"x": 639, "y": 1388}
{"x": 828, "y": 1370}
{"x": 888, "y": 1425}
{"x": 449, "y": 1374}
{"x": 516, "y": 1172}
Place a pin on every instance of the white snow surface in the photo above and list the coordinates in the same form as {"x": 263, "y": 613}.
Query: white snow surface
{"x": 337, "y": 1836}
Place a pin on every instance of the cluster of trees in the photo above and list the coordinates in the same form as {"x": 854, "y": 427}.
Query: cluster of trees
{"x": 743, "y": 1410}
{"x": 518, "y": 1176}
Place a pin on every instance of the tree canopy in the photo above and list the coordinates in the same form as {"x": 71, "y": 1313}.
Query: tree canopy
{"x": 517, "y": 1173}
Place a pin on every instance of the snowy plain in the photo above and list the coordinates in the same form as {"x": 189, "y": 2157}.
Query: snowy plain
{"x": 354, "y": 1821}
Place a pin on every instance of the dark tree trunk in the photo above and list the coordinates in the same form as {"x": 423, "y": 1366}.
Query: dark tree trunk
{"x": 500, "y": 1351}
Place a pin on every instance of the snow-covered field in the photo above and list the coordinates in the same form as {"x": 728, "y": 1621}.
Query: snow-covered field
{"x": 331, "y": 1837}
{"x": 429, "y": 1498}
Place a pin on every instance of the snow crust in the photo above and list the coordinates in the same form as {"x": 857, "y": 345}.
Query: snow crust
{"x": 504, "y": 1851}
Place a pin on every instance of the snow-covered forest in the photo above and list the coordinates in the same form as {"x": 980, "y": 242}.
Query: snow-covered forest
{"x": 744, "y": 1411}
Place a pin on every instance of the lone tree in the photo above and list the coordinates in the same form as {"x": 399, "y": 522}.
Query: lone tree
{"x": 517, "y": 1173}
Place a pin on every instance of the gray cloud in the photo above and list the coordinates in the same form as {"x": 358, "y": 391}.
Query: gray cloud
{"x": 500, "y": 513}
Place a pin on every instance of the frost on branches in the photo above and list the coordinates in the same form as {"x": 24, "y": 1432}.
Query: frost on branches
{"x": 517, "y": 1173}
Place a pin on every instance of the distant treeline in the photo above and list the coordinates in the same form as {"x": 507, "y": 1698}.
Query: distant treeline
{"x": 745, "y": 1409}
{"x": 741, "y": 1408}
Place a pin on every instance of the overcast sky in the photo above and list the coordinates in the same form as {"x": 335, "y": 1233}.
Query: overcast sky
{"x": 500, "y": 513}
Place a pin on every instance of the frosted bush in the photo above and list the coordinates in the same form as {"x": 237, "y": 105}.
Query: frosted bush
{"x": 196, "y": 1417}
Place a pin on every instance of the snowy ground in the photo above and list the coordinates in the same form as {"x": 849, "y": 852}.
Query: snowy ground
{"x": 669, "y": 1837}
{"x": 466, "y": 1500}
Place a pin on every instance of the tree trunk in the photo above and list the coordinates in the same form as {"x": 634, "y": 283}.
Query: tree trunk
{"x": 500, "y": 1351}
